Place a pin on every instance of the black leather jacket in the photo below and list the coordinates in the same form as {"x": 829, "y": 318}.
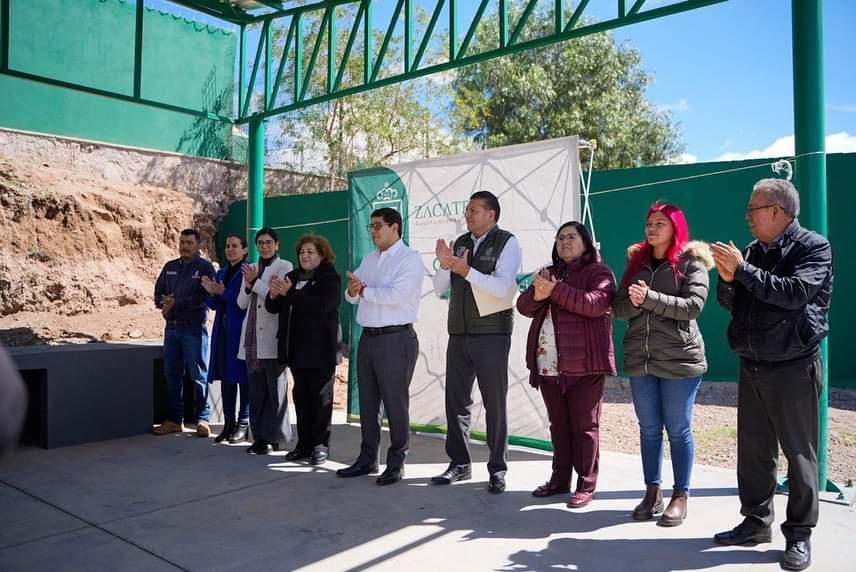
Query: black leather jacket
{"x": 779, "y": 298}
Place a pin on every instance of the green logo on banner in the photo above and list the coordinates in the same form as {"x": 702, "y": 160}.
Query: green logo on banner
{"x": 388, "y": 197}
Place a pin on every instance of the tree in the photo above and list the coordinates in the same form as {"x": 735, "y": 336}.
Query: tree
{"x": 373, "y": 128}
{"x": 589, "y": 86}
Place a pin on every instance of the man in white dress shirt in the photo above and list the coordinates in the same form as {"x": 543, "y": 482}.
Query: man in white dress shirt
{"x": 386, "y": 288}
{"x": 486, "y": 259}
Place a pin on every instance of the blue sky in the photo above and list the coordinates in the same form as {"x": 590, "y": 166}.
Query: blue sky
{"x": 725, "y": 72}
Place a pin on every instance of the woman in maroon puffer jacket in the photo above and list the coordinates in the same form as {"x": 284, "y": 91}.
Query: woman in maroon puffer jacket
{"x": 569, "y": 353}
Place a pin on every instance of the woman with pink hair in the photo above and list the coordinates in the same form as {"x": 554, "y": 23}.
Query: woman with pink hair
{"x": 663, "y": 291}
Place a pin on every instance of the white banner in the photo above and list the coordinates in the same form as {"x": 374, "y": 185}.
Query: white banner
{"x": 538, "y": 187}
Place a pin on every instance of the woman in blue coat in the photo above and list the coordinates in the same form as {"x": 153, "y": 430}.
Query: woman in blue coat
{"x": 225, "y": 338}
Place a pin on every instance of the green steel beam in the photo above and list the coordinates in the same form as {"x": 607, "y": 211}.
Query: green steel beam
{"x": 386, "y": 39}
{"x": 5, "y": 14}
{"x": 521, "y": 23}
{"x": 138, "y": 49}
{"x": 622, "y": 8}
{"x": 268, "y": 66}
{"x": 242, "y": 70}
{"x": 114, "y": 95}
{"x": 810, "y": 168}
{"x": 575, "y": 17}
{"x": 332, "y": 41}
{"x": 472, "y": 29}
{"x": 636, "y": 7}
{"x": 453, "y": 31}
{"x": 313, "y": 58}
{"x": 355, "y": 29}
{"x": 503, "y": 24}
{"x": 426, "y": 39}
{"x": 368, "y": 43}
{"x": 559, "y": 15}
{"x": 256, "y": 182}
{"x": 298, "y": 56}
{"x": 372, "y": 67}
{"x": 278, "y": 81}
{"x": 262, "y": 37}
{"x": 408, "y": 34}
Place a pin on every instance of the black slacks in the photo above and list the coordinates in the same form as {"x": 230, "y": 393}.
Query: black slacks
{"x": 778, "y": 404}
{"x": 385, "y": 365}
{"x": 313, "y": 402}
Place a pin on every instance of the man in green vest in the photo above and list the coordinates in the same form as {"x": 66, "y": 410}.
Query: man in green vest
{"x": 480, "y": 268}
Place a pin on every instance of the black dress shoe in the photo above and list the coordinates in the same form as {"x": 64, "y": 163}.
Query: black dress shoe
{"x": 239, "y": 435}
{"x": 390, "y": 476}
{"x": 228, "y": 429}
{"x": 496, "y": 484}
{"x": 549, "y": 489}
{"x": 797, "y": 555}
{"x": 357, "y": 470}
{"x": 260, "y": 448}
{"x": 744, "y": 534}
{"x": 453, "y": 474}
{"x": 298, "y": 455}
{"x": 319, "y": 456}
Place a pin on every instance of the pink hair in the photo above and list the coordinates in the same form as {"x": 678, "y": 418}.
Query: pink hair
{"x": 643, "y": 251}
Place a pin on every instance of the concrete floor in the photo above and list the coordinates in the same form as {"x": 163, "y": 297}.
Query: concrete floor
{"x": 178, "y": 502}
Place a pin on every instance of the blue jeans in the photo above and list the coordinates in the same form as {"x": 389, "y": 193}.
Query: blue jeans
{"x": 185, "y": 347}
{"x": 229, "y": 392}
{"x": 663, "y": 402}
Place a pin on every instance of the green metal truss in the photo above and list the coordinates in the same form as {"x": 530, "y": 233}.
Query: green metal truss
{"x": 378, "y": 69}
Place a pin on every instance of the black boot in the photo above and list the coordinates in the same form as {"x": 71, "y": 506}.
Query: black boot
{"x": 239, "y": 434}
{"x": 228, "y": 429}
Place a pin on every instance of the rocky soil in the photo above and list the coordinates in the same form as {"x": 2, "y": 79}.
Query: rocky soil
{"x": 79, "y": 256}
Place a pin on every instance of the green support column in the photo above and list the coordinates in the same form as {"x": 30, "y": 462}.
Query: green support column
{"x": 810, "y": 168}
{"x": 256, "y": 187}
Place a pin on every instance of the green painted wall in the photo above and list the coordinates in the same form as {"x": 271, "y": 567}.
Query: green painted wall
{"x": 91, "y": 42}
{"x": 320, "y": 213}
{"x": 715, "y": 206}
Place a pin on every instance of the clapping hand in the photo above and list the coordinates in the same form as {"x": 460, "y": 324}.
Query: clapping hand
{"x": 638, "y": 293}
{"x": 213, "y": 287}
{"x": 544, "y": 284}
{"x": 354, "y": 285}
{"x": 279, "y": 287}
{"x": 250, "y": 273}
{"x": 443, "y": 250}
{"x": 727, "y": 258}
{"x": 458, "y": 264}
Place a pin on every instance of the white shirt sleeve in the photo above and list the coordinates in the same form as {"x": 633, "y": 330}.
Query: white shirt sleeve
{"x": 442, "y": 281}
{"x": 503, "y": 280}
{"x": 405, "y": 285}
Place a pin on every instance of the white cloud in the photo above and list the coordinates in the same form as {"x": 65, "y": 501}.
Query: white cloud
{"x": 683, "y": 159}
{"x": 679, "y": 105}
{"x": 784, "y": 147}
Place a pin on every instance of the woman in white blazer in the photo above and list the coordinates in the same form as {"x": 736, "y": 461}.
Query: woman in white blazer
{"x": 266, "y": 378}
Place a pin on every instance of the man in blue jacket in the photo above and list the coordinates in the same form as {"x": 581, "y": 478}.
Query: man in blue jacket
{"x": 182, "y": 300}
{"x": 778, "y": 291}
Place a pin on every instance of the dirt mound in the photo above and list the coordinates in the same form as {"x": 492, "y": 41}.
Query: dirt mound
{"x": 74, "y": 245}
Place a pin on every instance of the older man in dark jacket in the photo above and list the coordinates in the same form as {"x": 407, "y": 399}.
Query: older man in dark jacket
{"x": 778, "y": 292}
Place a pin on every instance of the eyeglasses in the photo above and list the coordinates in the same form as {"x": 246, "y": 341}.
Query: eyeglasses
{"x": 376, "y": 225}
{"x": 264, "y": 242}
{"x": 753, "y": 209}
